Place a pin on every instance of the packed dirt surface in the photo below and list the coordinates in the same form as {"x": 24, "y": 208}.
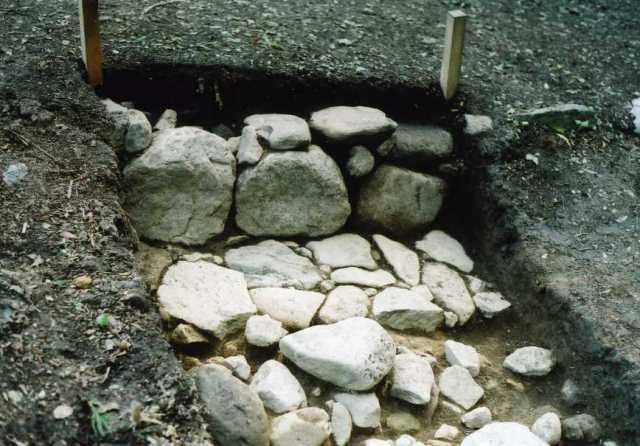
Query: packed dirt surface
{"x": 561, "y": 234}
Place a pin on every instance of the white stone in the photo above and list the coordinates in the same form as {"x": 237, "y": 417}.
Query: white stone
{"x": 477, "y": 124}
{"x": 635, "y": 112}
{"x": 249, "y": 149}
{"x": 233, "y": 144}
{"x": 358, "y": 276}
{"x": 355, "y": 354}
{"x": 407, "y": 440}
{"x": 404, "y": 261}
{"x": 424, "y": 291}
{"x": 503, "y": 434}
{"x": 344, "y": 124}
{"x": 449, "y": 290}
{"x": 476, "y": 285}
{"x": 405, "y": 310}
{"x": 463, "y": 355}
{"x": 446, "y": 432}
{"x": 548, "y": 428}
{"x": 304, "y": 427}
{"x": 294, "y": 308}
{"x": 272, "y": 263}
{"x": 361, "y": 162}
{"x": 344, "y": 302}
{"x": 530, "y": 361}
{"x": 282, "y": 132}
{"x": 364, "y": 408}
{"x": 327, "y": 286}
{"x": 212, "y": 298}
{"x": 377, "y": 442}
{"x": 239, "y": 366}
{"x": 341, "y": 423}
{"x": 443, "y": 248}
{"x": 161, "y": 196}
{"x": 138, "y": 137}
{"x": 490, "y": 304}
{"x": 278, "y": 389}
{"x": 477, "y": 418}
{"x": 263, "y": 331}
{"x": 450, "y": 319}
{"x": 457, "y": 384}
{"x": 167, "y": 120}
{"x": 412, "y": 379}
{"x": 343, "y": 250}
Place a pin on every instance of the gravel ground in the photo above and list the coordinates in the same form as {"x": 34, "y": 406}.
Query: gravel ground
{"x": 555, "y": 232}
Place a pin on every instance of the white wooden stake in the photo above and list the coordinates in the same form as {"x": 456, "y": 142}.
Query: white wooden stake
{"x": 452, "y": 56}
{"x": 90, "y": 40}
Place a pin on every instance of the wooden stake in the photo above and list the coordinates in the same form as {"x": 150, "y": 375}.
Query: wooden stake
{"x": 90, "y": 41}
{"x": 452, "y": 56}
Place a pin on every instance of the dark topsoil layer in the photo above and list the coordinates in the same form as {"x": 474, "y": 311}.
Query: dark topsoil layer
{"x": 553, "y": 235}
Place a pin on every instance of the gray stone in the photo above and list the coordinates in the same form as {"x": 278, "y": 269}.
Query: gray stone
{"x": 263, "y": 331}
{"x": 583, "y": 427}
{"x": 138, "y": 136}
{"x": 180, "y": 190}
{"x": 450, "y": 319}
{"x": 443, "y": 248}
{"x": 294, "y": 308}
{"x": 364, "y": 408}
{"x": 341, "y": 423}
{"x": 405, "y": 310}
{"x": 490, "y": 304}
{"x": 463, "y": 355}
{"x": 249, "y": 149}
{"x": 502, "y": 434}
{"x": 343, "y": 124}
{"x": 476, "y": 285}
{"x": 530, "y": 361}
{"x": 234, "y": 412}
{"x": 421, "y": 144}
{"x": 357, "y": 276}
{"x": 343, "y": 303}
{"x": 563, "y": 116}
{"x": 304, "y": 427}
{"x": 449, "y": 290}
{"x": 412, "y": 379}
{"x": 167, "y": 120}
{"x": 272, "y": 262}
{"x": 477, "y": 418}
{"x": 212, "y": 298}
{"x": 233, "y": 144}
{"x": 361, "y": 162}
{"x": 457, "y": 384}
{"x": 477, "y": 124}
{"x": 15, "y": 173}
{"x": 282, "y": 132}
{"x": 119, "y": 116}
{"x": 239, "y": 366}
{"x": 405, "y": 262}
{"x": 185, "y": 334}
{"x": 402, "y": 422}
{"x": 327, "y": 285}
{"x": 292, "y": 194}
{"x": 408, "y": 440}
{"x": 355, "y": 354}
{"x": 635, "y": 112}
{"x": 343, "y": 250}
{"x": 399, "y": 201}
{"x": 548, "y": 428}
{"x": 446, "y": 432}
{"x": 278, "y": 389}
{"x": 571, "y": 393}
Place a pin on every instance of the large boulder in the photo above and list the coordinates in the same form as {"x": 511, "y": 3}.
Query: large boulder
{"x": 180, "y": 189}
{"x": 399, "y": 201}
{"x": 355, "y": 354}
{"x": 235, "y": 413}
{"x": 281, "y": 132}
{"x": 292, "y": 193}
{"x": 212, "y": 298}
{"x": 344, "y": 124}
{"x": 421, "y": 144}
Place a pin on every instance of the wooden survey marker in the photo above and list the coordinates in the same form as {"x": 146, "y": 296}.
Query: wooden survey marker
{"x": 90, "y": 41}
{"x": 452, "y": 56}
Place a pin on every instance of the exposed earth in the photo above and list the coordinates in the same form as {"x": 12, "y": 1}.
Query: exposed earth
{"x": 552, "y": 213}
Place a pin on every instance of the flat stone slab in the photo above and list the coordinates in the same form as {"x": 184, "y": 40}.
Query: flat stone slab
{"x": 530, "y": 361}
{"x": 449, "y": 290}
{"x": 463, "y": 355}
{"x": 294, "y": 308}
{"x": 457, "y": 384}
{"x": 278, "y": 389}
{"x": 212, "y": 298}
{"x": 404, "y": 261}
{"x": 271, "y": 263}
{"x": 344, "y": 302}
{"x": 490, "y": 304}
{"x": 502, "y": 434}
{"x": 343, "y": 250}
{"x": 358, "y": 276}
{"x": 406, "y": 310}
{"x": 355, "y": 354}
{"x": 364, "y": 408}
{"x": 412, "y": 379}
{"x": 281, "y": 132}
{"x": 348, "y": 124}
{"x": 443, "y": 248}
